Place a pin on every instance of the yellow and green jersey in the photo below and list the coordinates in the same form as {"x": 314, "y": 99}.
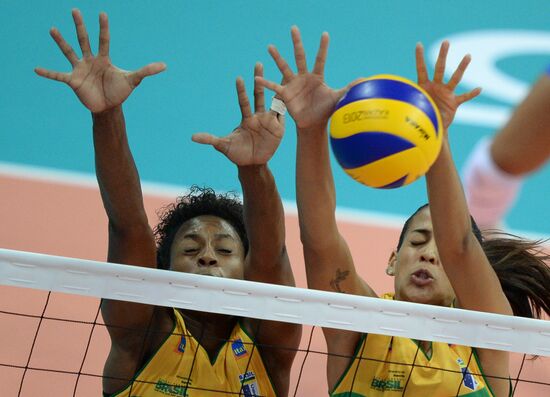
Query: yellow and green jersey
{"x": 386, "y": 366}
{"x": 182, "y": 368}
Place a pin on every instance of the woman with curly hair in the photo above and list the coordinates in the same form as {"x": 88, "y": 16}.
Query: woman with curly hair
{"x": 172, "y": 351}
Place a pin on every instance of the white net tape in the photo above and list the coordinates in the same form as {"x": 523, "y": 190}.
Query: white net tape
{"x": 273, "y": 302}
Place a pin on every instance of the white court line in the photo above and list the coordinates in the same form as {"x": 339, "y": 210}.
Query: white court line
{"x": 81, "y": 179}
{"x": 85, "y": 180}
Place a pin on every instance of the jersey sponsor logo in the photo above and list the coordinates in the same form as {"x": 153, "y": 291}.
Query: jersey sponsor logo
{"x": 181, "y": 345}
{"x": 169, "y": 389}
{"x": 386, "y": 384}
{"x": 238, "y": 348}
{"x": 468, "y": 380}
{"x": 249, "y": 384}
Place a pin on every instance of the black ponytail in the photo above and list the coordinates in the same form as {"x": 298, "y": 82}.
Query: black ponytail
{"x": 522, "y": 268}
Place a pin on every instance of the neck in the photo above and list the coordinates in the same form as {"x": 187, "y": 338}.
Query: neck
{"x": 208, "y": 324}
{"x": 210, "y": 330}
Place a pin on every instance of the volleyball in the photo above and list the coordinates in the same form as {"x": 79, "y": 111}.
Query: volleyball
{"x": 386, "y": 131}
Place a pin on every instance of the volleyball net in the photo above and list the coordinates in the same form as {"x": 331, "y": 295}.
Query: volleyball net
{"x": 53, "y": 340}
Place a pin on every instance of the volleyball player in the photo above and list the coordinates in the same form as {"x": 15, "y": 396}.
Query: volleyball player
{"x": 182, "y": 352}
{"x": 439, "y": 258}
{"x": 496, "y": 168}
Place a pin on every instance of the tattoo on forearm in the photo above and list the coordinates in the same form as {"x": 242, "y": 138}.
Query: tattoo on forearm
{"x": 338, "y": 278}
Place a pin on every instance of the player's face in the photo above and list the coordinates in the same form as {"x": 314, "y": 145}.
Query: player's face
{"x": 419, "y": 276}
{"x": 208, "y": 245}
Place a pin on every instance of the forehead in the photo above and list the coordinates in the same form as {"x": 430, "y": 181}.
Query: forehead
{"x": 207, "y": 224}
{"x": 422, "y": 220}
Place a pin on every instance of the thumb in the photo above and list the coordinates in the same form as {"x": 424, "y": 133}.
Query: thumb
{"x": 342, "y": 91}
{"x": 148, "y": 70}
{"x": 204, "y": 138}
{"x": 354, "y": 82}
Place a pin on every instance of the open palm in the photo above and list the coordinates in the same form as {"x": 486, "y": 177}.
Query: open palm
{"x": 95, "y": 80}
{"x": 258, "y": 136}
{"x": 443, "y": 93}
{"x": 309, "y": 100}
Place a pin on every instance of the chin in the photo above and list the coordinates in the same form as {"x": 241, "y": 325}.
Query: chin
{"x": 422, "y": 296}
{"x": 431, "y": 300}
{"x": 210, "y": 274}
{"x": 423, "y": 300}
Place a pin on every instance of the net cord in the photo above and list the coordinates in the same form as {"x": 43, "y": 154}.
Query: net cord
{"x": 274, "y": 302}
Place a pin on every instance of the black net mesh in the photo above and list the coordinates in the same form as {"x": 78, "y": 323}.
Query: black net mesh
{"x": 56, "y": 344}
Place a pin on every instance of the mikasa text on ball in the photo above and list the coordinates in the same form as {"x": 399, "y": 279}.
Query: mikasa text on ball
{"x": 386, "y": 131}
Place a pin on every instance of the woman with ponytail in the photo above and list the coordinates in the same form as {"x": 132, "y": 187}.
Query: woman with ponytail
{"x": 440, "y": 258}
{"x": 521, "y": 266}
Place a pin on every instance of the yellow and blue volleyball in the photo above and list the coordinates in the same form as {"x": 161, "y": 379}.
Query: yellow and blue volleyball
{"x": 386, "y": 131}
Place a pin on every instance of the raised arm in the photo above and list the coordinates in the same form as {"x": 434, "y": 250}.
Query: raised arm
{"x": 250, "y": 146}
{"x": 473, "y": 279}
{"x": 329, "y": 265}
{"x": 310, "y": 102}
{"x": 102, "y": 87}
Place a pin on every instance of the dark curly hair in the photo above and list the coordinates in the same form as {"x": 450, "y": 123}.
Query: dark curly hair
{"x": 199, "y": 201}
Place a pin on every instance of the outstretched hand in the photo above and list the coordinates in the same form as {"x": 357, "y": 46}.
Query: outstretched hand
{"x": 95, "y": 80}
{"x": 258, "y": 136}
{"x": 309, "y": 100}
{"x": 443, "y": 93}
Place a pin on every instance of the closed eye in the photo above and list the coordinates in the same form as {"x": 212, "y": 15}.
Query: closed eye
{"x": 190, "y": 250}
{"x": 416, "y": 243}
{"x": 225, "y": 251}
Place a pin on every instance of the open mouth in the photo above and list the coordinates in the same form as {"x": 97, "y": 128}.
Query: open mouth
{"x": 422, "y": 277}
{"x": 209, "y": 272}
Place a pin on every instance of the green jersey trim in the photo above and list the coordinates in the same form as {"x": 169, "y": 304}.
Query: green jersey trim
{"x": 344, "y": 374}
{"x": 136, "y": 375}
{"x": 478, "y": 361}
{"x": 419, "y": 346}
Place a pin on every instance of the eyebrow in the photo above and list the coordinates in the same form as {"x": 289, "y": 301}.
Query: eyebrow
{"x": 425, "y": 232}
{"x": 218, "y": 236}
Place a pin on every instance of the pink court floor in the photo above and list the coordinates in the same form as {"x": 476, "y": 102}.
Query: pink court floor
{"x": 64, "y": 218}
